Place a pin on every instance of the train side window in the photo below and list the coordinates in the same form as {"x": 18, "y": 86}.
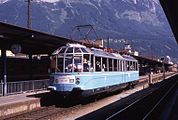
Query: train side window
{"x": 115, "y": 65}
{"x": 120, "y": 65}
{"x": 127, "y": 65}
{"x": 136, "y": 65}
{"x": 124, "y": 66}
{"x": 132, "y": 65}
{"x": 104, "y": 68}
{"x": 86, "y": 63}
{"x": 110, "y": 64}
{"x": 91, "y": 66}
{"x": 107, "y": 64}
{"x": 98, "y": 63}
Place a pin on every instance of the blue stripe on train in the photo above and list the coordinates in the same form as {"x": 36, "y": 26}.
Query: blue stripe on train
{"x": 93, "y": 80}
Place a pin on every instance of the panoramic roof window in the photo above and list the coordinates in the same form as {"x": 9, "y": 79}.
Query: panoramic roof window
{"x": 62, "y": 50}
{"x": 77, "y": 50}
{"x": 85, "y": 51}
{"x": 70, "y": 50}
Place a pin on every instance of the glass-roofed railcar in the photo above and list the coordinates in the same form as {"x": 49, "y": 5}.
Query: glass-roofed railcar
{"x": 88, "y": 71}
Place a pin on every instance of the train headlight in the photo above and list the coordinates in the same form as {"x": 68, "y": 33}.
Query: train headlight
{"x": 77, "y": 81}
{"x": 56, "y": 80}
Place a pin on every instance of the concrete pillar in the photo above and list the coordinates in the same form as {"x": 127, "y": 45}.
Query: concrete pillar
{"x": 164, "y": 71}
{"x": 150, "y": 80}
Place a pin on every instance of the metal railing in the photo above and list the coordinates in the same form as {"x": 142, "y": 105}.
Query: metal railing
{"x": 25, "y": 86}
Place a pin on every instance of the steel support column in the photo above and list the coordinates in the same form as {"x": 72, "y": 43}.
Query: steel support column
{"x": 4, "y": 60}
{"x": 30, "y": 67}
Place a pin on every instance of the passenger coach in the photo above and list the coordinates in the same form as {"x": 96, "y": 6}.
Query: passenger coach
{"x": 78, "y": 69}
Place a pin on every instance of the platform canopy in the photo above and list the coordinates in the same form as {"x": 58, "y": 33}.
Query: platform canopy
{"x": 30, "y": 41}
{"x": 170, "y": 8}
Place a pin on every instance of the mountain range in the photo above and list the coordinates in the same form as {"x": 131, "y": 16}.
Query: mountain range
{"x": 141, "y": 23}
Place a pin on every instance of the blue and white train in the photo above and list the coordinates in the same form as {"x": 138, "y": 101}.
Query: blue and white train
{"x": 89, "y": 71}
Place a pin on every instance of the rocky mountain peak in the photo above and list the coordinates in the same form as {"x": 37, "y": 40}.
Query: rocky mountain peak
{"x": 141, "y": 22}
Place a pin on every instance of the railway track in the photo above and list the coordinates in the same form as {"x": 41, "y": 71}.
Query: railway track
{"x": 148, "y": 107}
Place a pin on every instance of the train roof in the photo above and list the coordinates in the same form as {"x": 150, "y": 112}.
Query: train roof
{"x": 81, "y": 49}
{"x": 72, "y": 49}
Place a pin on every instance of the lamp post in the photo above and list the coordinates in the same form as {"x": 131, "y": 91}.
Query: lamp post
{"x": 29, "y": 21}
{"x": 4, "y": 58}
{"x": 163, "y": 68}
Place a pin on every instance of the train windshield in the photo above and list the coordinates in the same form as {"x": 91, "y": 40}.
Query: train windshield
{"x": 72, "y": 58}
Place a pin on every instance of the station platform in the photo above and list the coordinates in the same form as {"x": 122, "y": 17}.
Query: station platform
{"x": 19, "y": 103}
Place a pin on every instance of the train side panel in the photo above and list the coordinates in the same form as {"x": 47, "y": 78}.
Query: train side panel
{"x": 89, "y": 83}
{"x": 97, "y": 80}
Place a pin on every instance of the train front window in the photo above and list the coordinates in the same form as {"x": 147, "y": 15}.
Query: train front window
{"x": 59, "y": 67}
{"x": 69, "y": 66}
{"x": 62, "y": 50}
{"x": 78, "y": 63}
{"x": 73, "y": 58}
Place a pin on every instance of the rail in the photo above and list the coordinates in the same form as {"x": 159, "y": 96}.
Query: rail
{"x": 25, "y": 86}
{"x": 143, "y": 108}
{"x": 157, "y": 111}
